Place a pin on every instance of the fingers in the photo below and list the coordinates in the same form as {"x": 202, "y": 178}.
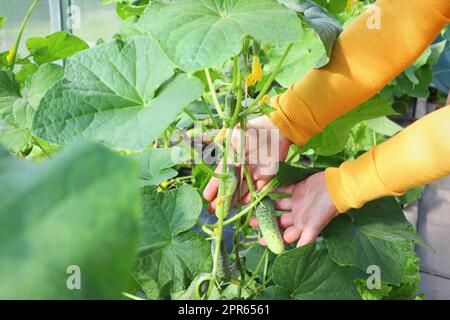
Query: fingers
{"x": 309, "y": 234}
{"x": 292, "y": 234}
{"x": 210, "y": 192}
{"x": 208, "y": 137}
{"x": 283, "y": 204}
{"x": 284, "y": 221}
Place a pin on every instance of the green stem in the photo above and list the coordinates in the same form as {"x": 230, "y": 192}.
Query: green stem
{"x": 296, "y": 153}
{"x": 271, "y": 185}
{"x": 213, "y": 93}
{"x": 255, "y": 105}
{"x": 259, "y": 265}
{"x": 190, "y": 115}
{"x": 221, "y": 212}
{"x": 266, "y": 268}
{"x": 22, "y": 28}
{"x": 41, "y": 147}
{"x": 211, "y": 116}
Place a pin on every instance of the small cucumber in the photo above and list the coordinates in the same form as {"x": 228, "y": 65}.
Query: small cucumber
{"x": 223, "y": 271}
{"x": 197, "y": 288}
{"x": 265, "y": 213}
{"x": 230, "y": 105}
{"x": 230, "y": 187}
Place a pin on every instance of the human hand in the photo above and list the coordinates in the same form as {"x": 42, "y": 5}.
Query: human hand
{"x": 265, "y": 148}
{"x": 311, "y": 209}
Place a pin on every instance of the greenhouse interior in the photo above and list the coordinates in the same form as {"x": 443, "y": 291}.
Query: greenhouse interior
{"x": 233, "y": 150}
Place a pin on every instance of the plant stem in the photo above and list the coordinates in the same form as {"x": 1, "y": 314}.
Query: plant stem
{"x": 221, "y": 212}
{"x": 259, "y": 265}
{"x": 271, "y": 185}
{"x": 248, "y": 177}
{"x": 255, "y": 105}
{"x": 211, "y": 116}
{"x": 213, "y": 93}
{"x": 41, "y": 147}
{"x": 266, "y": 268}
{"x": 190, "y": 115}
{"x": 22, "y": 28}
{"x": 292, "y": 157}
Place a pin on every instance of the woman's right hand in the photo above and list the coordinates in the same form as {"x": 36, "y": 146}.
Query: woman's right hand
{"x": 265, "y": 148}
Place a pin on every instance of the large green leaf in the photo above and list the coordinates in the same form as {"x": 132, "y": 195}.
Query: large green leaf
{"x": 156, "y": 164}
{"x": 13, "y": 139}
{"x": 333, "y": 6}
{"x": 273, "y": 293}
{"x": 309, "y": 273}
{"x": 122, "y": 93}
{"x": 170, "y": 255}
{"x": 304, "y": 55}
{"x": 9, "y": 93}
{"x": 384, "y": 126}
{"x": 57, "y": 46}
{"x": 198, "y": 34}
{"x": 334, "y": 137}
{"x": 79, "y": 209}
{"x": 325, "y": 25}
{"x": 415, "y": 81}
{"x": 288, "y": 174}
{"x": 17, "y": 107}
{"x": 373, "y": 235}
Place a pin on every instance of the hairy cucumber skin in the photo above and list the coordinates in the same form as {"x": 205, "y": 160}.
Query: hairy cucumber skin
{"x": 223, "y": 270}
{"x": 189, "y": 294}
{"x": 265, "y": 213}
{"x": 230, "y": 188}
{"x": 230, "y": 105}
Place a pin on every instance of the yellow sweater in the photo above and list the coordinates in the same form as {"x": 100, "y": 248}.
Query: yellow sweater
{"x": 364, "y": 60}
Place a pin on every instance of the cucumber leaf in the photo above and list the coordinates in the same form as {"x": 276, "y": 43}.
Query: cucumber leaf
{"x": 288, "y": 174}
{"x": 308, "y": 273}
{"x": 17, "y": 106}
{"x": 373, "y": 235}
{"x": 123, "y": 93}
{"x": 202, "y": 34}
{"x": 48, "y": 212}
{"x": 304, "y": 55}
{"x": 57, "y": 46}
{"x": 327, "y": 27}
{"x": 156, "y": 164}
{"x": 170, "y": 255}
{"x": 335, "y": 136}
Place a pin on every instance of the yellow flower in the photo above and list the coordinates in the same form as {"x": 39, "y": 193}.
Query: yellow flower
{"x": 265, "y": 99}
{"x": 165, "y": 184}
{"x": 11, "y": 53}
{"x": 257, "y": 69}
{"x": 250, "y": 80}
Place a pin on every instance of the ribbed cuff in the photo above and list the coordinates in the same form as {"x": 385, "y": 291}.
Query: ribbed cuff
{"x": 293, "y": 118}
{"x": 356, "y": 182}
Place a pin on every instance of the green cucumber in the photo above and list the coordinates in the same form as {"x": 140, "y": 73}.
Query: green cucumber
{"x": 230, "y": 105}
{"x": 230, "y": 187}
{"x": 196, "y": 289}
{"x": 223, "y": 270}
{"x": 265, "y": 213}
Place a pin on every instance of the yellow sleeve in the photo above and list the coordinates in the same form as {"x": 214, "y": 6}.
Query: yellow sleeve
{"x": 364, "y": 60}
{"x": 417, "y": 155}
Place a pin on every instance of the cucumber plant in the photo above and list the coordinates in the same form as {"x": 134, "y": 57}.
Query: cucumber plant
{"x": 179, "y": 65}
